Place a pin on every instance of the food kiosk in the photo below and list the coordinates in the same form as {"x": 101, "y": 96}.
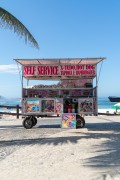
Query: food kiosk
{"x": 72, "y": 97}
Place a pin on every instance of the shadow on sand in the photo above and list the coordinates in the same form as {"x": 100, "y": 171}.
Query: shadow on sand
{"x": 109, "y": 149}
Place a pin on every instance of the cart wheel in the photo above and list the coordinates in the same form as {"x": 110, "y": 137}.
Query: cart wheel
{"x": 80, "y": 122}
{"x": 28, "y": 123}
{"x": 34, "y": 120}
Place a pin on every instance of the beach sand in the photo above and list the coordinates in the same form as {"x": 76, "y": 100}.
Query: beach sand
{"x": 50, "y": 153}
{"x": 108, "y": 111}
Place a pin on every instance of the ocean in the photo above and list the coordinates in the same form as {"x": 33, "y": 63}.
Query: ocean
{"x": 103, "y": 102}
{"x": 10, "y": 101}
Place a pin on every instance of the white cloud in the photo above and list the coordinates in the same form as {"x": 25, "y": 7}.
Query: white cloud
{"x": 11, "y": 68}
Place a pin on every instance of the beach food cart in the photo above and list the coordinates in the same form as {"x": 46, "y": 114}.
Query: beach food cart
{"x": 73, "y": 96}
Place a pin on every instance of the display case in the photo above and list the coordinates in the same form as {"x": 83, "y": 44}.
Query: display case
{"x": 67, "y": 100}
{"x": 67, "y": 96}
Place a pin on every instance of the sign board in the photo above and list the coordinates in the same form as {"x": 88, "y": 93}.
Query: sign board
{"x": 59, "y": 70}
{"x": 85, "y": 105}
{"x": 47, "y": 106}
{"x": 32, "y": 105}
{"x": 68, "y": 120}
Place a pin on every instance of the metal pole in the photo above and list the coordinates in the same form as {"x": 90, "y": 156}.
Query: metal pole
{"x": 96, "y": 92}
{"x": 22, "y": 91}
{"x": 17, "y": 109}
{"x": 27, "y": 82}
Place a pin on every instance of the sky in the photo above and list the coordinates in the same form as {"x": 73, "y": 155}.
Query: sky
{"x": 63, "y": 29}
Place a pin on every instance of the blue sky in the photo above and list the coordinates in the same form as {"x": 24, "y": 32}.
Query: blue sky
{"x": 63, "y": 29}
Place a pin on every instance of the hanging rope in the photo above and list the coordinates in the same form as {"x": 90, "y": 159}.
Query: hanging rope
{"x": 99, "y": 72}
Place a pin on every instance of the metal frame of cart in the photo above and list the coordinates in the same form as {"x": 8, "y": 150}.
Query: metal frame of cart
{"x": 74, "y": 94}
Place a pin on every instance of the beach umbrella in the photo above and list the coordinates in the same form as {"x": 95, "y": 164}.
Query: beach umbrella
{"x": 116, "y": 106}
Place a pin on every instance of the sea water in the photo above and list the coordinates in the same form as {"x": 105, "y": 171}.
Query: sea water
{"x": 104, "y": 103}
{"x": 9, "y": 102}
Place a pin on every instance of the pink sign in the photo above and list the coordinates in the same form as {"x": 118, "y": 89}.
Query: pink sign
{"x": 63, "y": 70}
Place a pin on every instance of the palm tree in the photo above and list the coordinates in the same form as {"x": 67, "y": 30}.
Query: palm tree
{"x": 7, "y": 20}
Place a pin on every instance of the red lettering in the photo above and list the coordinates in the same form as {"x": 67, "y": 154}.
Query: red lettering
{"x": 29, "y": 70}
{"x": 25, "y": 70}
{"x": 90, "y": 67}
{"x": 48, "y": 70}
{"x": 38, "y": 70}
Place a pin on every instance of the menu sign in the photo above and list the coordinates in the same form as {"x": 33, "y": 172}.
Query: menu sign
{"x": 63, "y": 70}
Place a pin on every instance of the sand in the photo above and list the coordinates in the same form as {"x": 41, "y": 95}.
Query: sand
{"x": 91, "y": 153}
{"x": 109, "y": 111}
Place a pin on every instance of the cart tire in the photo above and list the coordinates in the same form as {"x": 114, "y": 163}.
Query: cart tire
{"x": 34, "y": 120}
{"x": 80, "y": 122}
{"x": 28, "y": 123}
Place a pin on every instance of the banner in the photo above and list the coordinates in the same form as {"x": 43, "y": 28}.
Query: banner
{"x": 63, "y": 70}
